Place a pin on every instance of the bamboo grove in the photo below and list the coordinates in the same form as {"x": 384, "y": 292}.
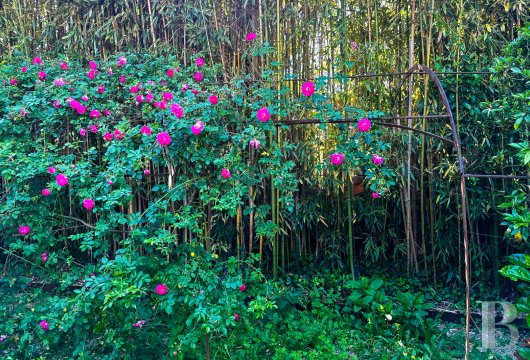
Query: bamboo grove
{"x": 334, "y": 219}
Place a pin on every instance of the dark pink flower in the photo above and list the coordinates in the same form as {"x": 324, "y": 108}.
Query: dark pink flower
{"x": 61, "y": 180}
{"x": 118, "y": 135}
{"x": 59, "y": 82}
{"x": 106, "y": 112}
{"x": 46, "y": 192}
{"x": 93, "y": 128}
{"x": 24, "y": 230}
{"x": 199, "y": 62}
{"x": 92, "y": 65}
{"x": 149, "y": 98}
{"x": 44, "y": 257}
{"x": 197, "y": 128}
{"x": 263, "y": 114}
{"x": 170, "y": 73}
{"x": 134, "y": 89}
{"x": 44, "y": 325}
{"x": 145, "y": 130}
{"x": 378, "y": 160}
{"x": 122, "y": 61}
{"x": 13, "y": 82}
{"x": 122, "y": 79}
{"x": 92, "y": 74}
{"x": 24, "y": 69}
{"x": 139, "y": 324}
{"x": 251, "y": 36}
{"x": 147, "y": 172}
{"x": 94, "y": 114}
{"x": 163, "y": 139}
{"x": 194, "y": 91}
{"x": 308, "y": 88}
{"x": 161, "y": 289}
{"x": 89, "y": 204}
{"x": 254, "y": 143}
{"x": 242, "y": 288}
{"x": 84, "y": 98}
{"x": 336, "y": 159}
{"x": 110, "y": 72}
{"x": 82, "y": 132}
{"x": 236, "y": 317}
{"x": 42, "y": 75}
{"x": 185, "y": 87}
{"x": 198, "y": 76}
{"x": 213, "y": 99}
{"x": 64, "y": 65}
{"x": 225, "y": 173}
{"x": 37, "y": 61}
{"x": 57, "y": 104}
{"x": 51, "y": 170}
{"x": 108, "y": 136}
{"x": 101, "y": 89}
{"x": 109, "y": 182}
{"x": 364, "y": 125}
{"x": 375, "y": 195}
{"x": 139, "y": 98}
{"x": 177, "y": 110}
{"x": 167, "y": 96}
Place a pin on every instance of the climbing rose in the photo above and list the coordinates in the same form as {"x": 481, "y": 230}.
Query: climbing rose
{"x": 82, "y": 132}
{"x": 308, "y": 88}
{"x": 242, "y": 287}
{"x": 24, "y": 230}
{"x": 185, "y": 87}
{"x": 44, "y": 325}
{"x": 91, "y": 74}
{"x": 198, "y": 76}
{"x": 64, "y": 65}
{"x": 170, "y": 73}
{"x": 107, "y": 136}
{"x": 44, "y": 257}
{"x": 46, "y": 192}
{"x": 24, "y": 69}
{"x": 254, "y": 143}
{"x": 106, "y": 112}
{"x": 61, "y": 180}
{"x": 95, "y": 114}
{"x": 225, "y": 173}
{"x": 161, "y": 289}
{"x": 59, "y": 82}
{"x": 199, "y": 62}
{"x": 167, "y": 96}
{"x": 236, "y": 317}
{"x": 263, "y": 114}
{"x": 93, "y": 128}
{"x": 122, "y": 79}
{"x": 149, "y": 98}
{"x": 118, "y": 135}
{"x": 194, "y": 91}
{"x": 92, "y": 65}
{"x": 13, "y": 82}
{"x": 177, "y": 110}
{"x": 51, "y": 170}
{"x": 163, "y": 139}
{"x": 101, "y": 89}
{"x": 251, "y": 36}
{"x": 145, "y": 130}
{"x": 89, "y": 204}
{"x": 213, "y": 99}
{"x": 57, "y": 104}
{"x": 197, "y": 128}
{"x": 375, "y": 195}
{"x": 147, "y": 172}
{"x": 139, "y": 323}
{"x": 364, "y": 125}
{"x": 84, "y": 98}
{"x": 139, "y": 98}
{"x": 378, "y": 160}
{"x": 42, "y": 75}
{"x": 122, "y": 61}
{"x": 336, "y": 159}
{"x": 134, "y": 89}
{"x": 37, "y": 61}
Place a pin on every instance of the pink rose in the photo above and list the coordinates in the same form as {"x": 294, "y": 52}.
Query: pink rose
{"x": 44, "y": 257}
{"x": 199, "y": 62}
{"x": 236, "y": 317}
{"x": 251, "y": 36}
{"x": 242, "y": 288}
{"x": 122, "y": 61}
{"x": 46, "y": 192}
{"x": 198, "y": 76}
{"x": 122, "y": 79}
{"x": 42, "y": 75}
{"x": 254, "y": 143}
{"x": 197, "y": 128}
{"x": 364, "y": 125}
{"x": 167, "y": 96}
{"x": 89, "y": 204}
{"x": 147, "y": 172}
{"x": 108, "y": 136}
{"x": 101, "y": 89}
{"x": 378, "y": 160}
{"x": 92, "y": 65}
{"x": 145, "y": 130}
{"x": 24, "y": 69}
{"x": 375, "y": 195}
{"x": 308, "y": 88}
{"x": 44, "y": 325}
{"x": 24, "y": 230}
{"x": 93, "y": 128}
{"x": 37, "y": 61}
{"x": 163, "y": 139}
{"x": 177, "y": 110}
{"x": 118, "y": 135}
{"x": 94, "y": 114}
{"x": 170, "y": 73}
{"x": 57, "y": 104}
{"x": 263, "y": 114}
{"x": 336, "y": 159}
{"x": 64, "y": 66}
{"x": 225, "y": 173}
{"x": 213, "y": 99}
{"x": 51, "y": 170}
{"x": 161, "y": 289}
{"x": 82, "y": 132}
{"x": 61, "y": 180}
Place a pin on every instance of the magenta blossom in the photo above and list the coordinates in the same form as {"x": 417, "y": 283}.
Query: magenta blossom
{"x": 213, "y": 99}
{"x": 24, "y": 69}
{"x": 122, "y": 79}
{"x": 185, "y": 87}
{"x": 118, "y": 135}
{"x": 199, "y": 62}
{"x": 308, "y": 88}
{"x": 197, "y": 128}
{"x": 336, "y": 159}
{"x": 225, "y": 173}
{"x": 161, "y": 289}
{"x": 46, "y": 192}
{"x": 44, "y": 257}
{"x": 242, "y": 288}
{"x": 139, "y": 324}
{"x": 198, "y": 76}
{"x": 44, "y": 325}
{"x": 64, "y": 65}
{"x": 251, "y": 36}
{"x": 101, "y": 89}
{"x": 108, "y": 136}
{"x": 177, "y": 110}
{"x": 170, "y": 73}
{"x": 51, "y": 170}
{"x": 149, "y": 98}
{"x": 61, "y": 180}
{"x": 92, "y": 74}
{"x": 106, "y": 112}
{"x": 13, "y": 82}
{"x": 145, "y": 130}
{"x": 84, "y": 98}
{"x": 110, "y": 182}
{"x": 110, "y": 72}
{"x": 139, "y": 99}
{"x": 82, "y": 132}
{"x": 59, "y": 82}
{"x": 167, "y": 96}
{"x": 236, "y": 317}
{"x": 194, "y": 91}
{"x": 122, "y": 61}
{"x": 89, "y": 204}
{"x": 375, "y": 195}
{"x": 378, "y": 160}
{"x": 163, "y": 139}
{"x": 263, "y": 115}
{"x": 254, "y": 143}
{"x": 93, "y": 128}
{"x": 92, "y": 65}
{"x": 42, "y": 75}
{"x": 37, "y": 61}
{"x": 134, "y": 89}
{"x": 57, "y": 104}
{"x": 94, "y": 114}
{"x": 147, "y": 172}
{"x": 364, "y": 125}
{"x": 24, "y": 230}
